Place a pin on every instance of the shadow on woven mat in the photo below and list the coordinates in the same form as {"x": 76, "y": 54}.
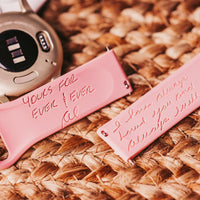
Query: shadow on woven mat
{"x": 152, "y": 38}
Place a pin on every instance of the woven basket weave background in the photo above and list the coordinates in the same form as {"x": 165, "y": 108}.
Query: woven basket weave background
{"x": 152, "y": 39}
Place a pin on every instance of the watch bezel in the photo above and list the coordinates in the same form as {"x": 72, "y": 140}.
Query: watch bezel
{"x": 48, "y": 64}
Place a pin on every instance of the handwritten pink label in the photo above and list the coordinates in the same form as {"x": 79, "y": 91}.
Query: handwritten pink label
{"x": 68, "y": 94}
{"x": 155, "y": 112}
{"x": 60, "y": 103}
{"x": 74, "y": 95}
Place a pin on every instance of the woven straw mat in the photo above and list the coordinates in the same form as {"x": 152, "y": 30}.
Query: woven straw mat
{"x": 152, "y": 39}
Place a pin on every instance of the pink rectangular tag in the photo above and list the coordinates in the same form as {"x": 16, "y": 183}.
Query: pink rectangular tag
{"x": 155, "y": 112}
{"x": 58, "y": 104}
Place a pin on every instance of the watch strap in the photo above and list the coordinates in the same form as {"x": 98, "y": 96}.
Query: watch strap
{"x": 14, "y": 5}
{"x": 154, "y": 113}
{"x": 60, "y": 103}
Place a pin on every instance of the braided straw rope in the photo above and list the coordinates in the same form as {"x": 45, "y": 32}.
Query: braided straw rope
{"x": 152, "y": 39}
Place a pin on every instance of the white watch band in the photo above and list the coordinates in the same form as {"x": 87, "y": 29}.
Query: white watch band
{"x": 14, "y": 5}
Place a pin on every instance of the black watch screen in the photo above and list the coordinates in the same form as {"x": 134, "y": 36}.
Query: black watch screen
{"x": 18, "y": 50}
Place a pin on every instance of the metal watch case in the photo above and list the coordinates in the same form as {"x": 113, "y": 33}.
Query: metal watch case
{"x": 45, "y": 52}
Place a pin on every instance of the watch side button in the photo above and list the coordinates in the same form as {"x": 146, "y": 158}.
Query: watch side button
{"x": 26, "y": 78}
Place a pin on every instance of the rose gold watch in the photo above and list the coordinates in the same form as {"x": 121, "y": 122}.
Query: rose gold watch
{"x": 30, "y": 50}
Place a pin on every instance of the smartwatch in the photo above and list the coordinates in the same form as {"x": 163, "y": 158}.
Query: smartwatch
{"x": 30, "y": 50}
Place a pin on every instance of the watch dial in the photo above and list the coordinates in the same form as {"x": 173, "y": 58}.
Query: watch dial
{"x": 18, "y": 50}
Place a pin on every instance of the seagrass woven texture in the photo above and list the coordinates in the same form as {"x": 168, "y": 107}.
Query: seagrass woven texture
{"x": 152, "y": 39}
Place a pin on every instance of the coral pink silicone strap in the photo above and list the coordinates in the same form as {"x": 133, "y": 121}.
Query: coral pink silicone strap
{"x": 155, "y": 112}
{"x": 14, "y": 6}
{"x": 60, "y": 103}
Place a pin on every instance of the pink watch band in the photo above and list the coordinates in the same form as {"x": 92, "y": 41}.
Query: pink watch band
{"x": 14, "y": 6}
{"x": 60, "y": 103}
{"x": 155, "y": 112}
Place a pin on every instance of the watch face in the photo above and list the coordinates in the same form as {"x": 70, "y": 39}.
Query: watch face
{"x": 18, "y": 50}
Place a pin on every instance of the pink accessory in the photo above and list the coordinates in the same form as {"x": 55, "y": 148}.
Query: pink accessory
{"x": 60, "y": 103}
{"x": 155, "y": 112}
{"x": 14, "y": 5}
